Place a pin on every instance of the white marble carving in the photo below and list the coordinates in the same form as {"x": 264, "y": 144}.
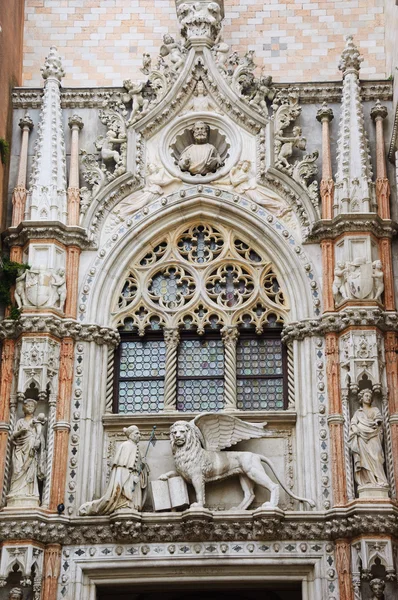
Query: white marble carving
{"x": 25, "y": 559}
{"x": 41, "y": 287}
{"x": 128, "y": 481}
{"x": 196, "y": 447}
{"x": 37, "y": 363}
{"x": 358, "y": 280}
{"x": 201, "y": 157}
{"x": 173, "y": 50}
{"x": 366, "y": 444}
{"x": 362, "y": 358}
{"x": 28, "y": 457}
{"x": 199, "y": 20}
{"x": 377, "y": 587}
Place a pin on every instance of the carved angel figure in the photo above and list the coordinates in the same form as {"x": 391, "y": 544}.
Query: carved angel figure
{"x": 173, "y": 49}
{"x": 135, "y": 94}
{"x": 285, "y": 146}
{"x": 196, "y": 449}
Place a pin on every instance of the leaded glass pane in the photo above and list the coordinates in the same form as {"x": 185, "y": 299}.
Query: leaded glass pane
{"x": 141, "y": 396}
{"x": 200, "y": 395}
{"x": 259, "y": 356}
{"x": 260, "y": 394}
{"x": 142, "y": 359}
{"x": 201, "y": 358}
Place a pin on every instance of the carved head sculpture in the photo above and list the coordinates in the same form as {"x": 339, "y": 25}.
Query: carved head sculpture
{"x": 29, "y": 406}
{"x": 168, "y": 39}
{"x": 200, "y": 132}
{"x": 200, "y": 89}
{"x": 132, "y": 433}
{"x": 179, "y": 433}
{"x": 15, "y": 594}
{"x": 377, "y": 586}
{"x": 365, "y": 397}
{"x": 245, "y": 165}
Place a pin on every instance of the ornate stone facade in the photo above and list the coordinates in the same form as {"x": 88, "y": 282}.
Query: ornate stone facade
{"x": 198, "y": 304}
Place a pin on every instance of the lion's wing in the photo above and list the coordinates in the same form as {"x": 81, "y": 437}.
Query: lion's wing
{"x": 222, "y": 431}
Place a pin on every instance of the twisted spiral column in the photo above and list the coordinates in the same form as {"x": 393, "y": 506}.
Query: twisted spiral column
{"x": 290, "y": 378}
{"x": 172, "y": 339}
{"x": 110, "y": 370}
{"x": 50, "y": 448}
{"x": 347, "y": 453}
{"x": 230, "y": 336}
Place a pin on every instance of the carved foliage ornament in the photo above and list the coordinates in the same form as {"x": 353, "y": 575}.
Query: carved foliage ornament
{"x": 198, "y": 275}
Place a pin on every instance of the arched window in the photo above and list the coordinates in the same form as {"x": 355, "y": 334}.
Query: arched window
{"x": 200, "y": 315}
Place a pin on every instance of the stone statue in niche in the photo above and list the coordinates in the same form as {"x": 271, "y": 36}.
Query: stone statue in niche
{"x": 377, "y": 587}
{"x": 200, "y": 158}
{"x": 358, "y": 279}
{"x": 366, "y": 444}
{"x": 28, "y": 457}
{"x": 196, "y": 450}
{"x": 128, "y": 481}
{"x": 40, "y": 287}
{"x": 15, "y": 594}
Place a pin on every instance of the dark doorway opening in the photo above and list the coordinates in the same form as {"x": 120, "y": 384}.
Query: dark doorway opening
{"x": 272, "y": 591}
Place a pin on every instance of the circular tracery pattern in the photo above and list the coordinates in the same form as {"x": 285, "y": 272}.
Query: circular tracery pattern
{"x": 230, "y": 285}
{"x": 228, "y": 281}
{"x": 171, "y": 287}
{"x": 200, "y": 244}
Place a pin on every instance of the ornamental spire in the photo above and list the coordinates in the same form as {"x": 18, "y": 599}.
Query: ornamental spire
{"x": 355, "y": 190}
{"x": 47, "y": 192}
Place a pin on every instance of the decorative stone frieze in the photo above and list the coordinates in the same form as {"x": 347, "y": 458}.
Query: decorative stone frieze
{"x": 333, "y": 229}
{"x": 63, "y": 234}
{"x": 59, "y": 328}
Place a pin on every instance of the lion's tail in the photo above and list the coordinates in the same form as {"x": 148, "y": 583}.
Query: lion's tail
{"x": 271, "y": 466}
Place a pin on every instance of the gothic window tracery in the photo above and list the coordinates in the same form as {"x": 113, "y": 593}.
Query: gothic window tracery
{"x": 213, "y": 289}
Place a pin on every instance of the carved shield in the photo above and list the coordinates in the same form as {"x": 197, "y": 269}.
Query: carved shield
{"x": 360, "y": 280}
{"x": 38, "y": 288}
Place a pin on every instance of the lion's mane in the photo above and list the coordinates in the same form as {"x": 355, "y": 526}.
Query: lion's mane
{"x": 188, "y": 454}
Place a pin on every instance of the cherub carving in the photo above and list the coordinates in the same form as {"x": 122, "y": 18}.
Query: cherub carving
{"x": 286, "y": 145}
{"x": 173, "y": 49}
{"x": 196, "y": 445}
{"x": 107, "y": 146}
{"x": 135, "y": 94}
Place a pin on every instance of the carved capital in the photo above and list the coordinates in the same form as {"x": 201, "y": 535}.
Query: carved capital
{"x": 171, "y": 337}
{"x": 75, "y": 122}
{"x": 230, "y": 335}
{"x": 26, "y": 123}
{"x": 324, "y": 113}
{"x": 378, "y": 112}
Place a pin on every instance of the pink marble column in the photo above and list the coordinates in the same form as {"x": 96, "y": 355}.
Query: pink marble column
{"x": 325, "y": 116}
{"x": 19, "y": 194}
{"x": 378, "y": 114}
{"x": 76, "y": 124}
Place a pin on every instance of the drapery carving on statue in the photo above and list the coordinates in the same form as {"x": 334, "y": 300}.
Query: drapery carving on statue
{"x": 366, "y": 444}
{"x": 128, "y": 480}
{"x": 41, "y": 287}
{"x": 28, "y": 457}
{"x": 201, "y": 157}
{"x": 359, "y": 279}
{"x": 242, "y": 181}
{"x": 377, "y": 587}
{"x": 196, "y": 445}
{"x": 156, "y": 180}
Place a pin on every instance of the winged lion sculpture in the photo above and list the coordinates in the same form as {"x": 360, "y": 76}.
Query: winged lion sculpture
{"x": 196, "y": 449}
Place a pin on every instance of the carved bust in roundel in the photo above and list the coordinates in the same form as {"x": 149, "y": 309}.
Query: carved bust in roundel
{"x": 201, "y": 157}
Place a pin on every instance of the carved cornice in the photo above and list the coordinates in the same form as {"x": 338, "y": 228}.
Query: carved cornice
{"x": 39, "y": 230}
{"x": 309, "y": 93}
{"x": 59, "y": 328}
{"x": 347, "y": 223}
{"x": 201, "y": 526}
{"x": 337, "y": 322}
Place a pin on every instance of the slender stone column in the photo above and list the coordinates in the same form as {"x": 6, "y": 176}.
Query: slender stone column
{"x": 391, "y": 349}
{"x": 378, "y": 114}
{"x": 172, "y": 339}
{"x": 386, "y": 260}
{"x": 336, "y": 420}
{"x": 51, "y": 571}
{"x": 72, "y": 278}
{"x": 343, "y": 568}
{"x": 7, "y": 358}
{"x": 62, "y": 425}
{"x": 230, "y": 337}
{"x": 76, "y": 124}
{"x": 19, "y": 194}
{"x": 325, "y": 116}
{"x": 327, "y": 247}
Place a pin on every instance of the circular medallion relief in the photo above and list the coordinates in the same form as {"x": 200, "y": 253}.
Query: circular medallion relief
{"x": 200, "y": 147}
